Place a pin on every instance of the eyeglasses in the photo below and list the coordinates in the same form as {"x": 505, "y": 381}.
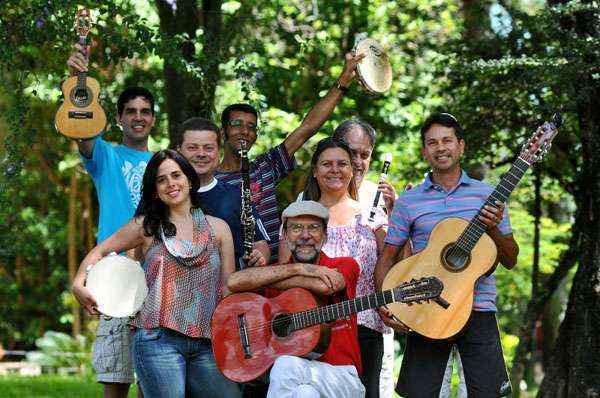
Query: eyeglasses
{"x": 312, "y": 229}
{"x": 240, "y": 123}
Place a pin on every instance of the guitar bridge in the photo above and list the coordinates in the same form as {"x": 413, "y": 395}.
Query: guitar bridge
{"x": 243, "y": 329}
{"x": 81, "y": 115}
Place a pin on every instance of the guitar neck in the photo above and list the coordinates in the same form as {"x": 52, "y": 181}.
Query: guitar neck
{"x": 81, "y": 76}
{"x": 328, "y": 313}
{"x": 508, "y": 182}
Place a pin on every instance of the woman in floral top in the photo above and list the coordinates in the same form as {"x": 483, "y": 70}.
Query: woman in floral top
{"x": 349, "y": 234}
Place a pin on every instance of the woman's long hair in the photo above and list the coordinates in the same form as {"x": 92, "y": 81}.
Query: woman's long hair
{"x": 154, "y": 211}
{"x": 312, "y": 191}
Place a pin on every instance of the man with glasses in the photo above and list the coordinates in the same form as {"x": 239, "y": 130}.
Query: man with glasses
{"x": 335, "y": 374}
{"x": 240, "y": 122}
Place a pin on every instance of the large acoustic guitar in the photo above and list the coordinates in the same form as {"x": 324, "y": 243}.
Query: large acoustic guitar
{"x": 250, "y": 331}
{"x": 80, "y": 115}
{"x": 459, "y": 252}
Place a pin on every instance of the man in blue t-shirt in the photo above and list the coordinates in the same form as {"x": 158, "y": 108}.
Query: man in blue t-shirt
{"x": 117, "y": 171}
{"x": 448, "y": 191}
{"x": 199, "y": 142}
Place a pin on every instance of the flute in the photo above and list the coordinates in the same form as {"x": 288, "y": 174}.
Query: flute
{"x": 387, "y": 161}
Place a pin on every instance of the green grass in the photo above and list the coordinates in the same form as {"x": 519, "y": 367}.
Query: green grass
{"x": 52, "y": 386}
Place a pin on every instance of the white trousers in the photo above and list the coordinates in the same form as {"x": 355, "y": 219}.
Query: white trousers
{"x": 386, "y": 377}
{"x": 446, "y": 388}
{"x": 294, "y": 377}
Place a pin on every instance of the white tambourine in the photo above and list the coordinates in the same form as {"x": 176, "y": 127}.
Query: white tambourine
{"x": 374, "y": 71}
{"x": 118, "y": 284}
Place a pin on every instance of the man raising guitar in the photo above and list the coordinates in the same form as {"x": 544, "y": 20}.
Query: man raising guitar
{"x": 336, "y": 373}
{"x": 117, "y": 171}
{"x": 448, "y": 191}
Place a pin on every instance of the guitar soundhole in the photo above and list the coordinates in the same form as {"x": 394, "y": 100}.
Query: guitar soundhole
{"x": 455, "y": 259}
{"x": 282, "y": 325}
{"x": 81, "y": 97}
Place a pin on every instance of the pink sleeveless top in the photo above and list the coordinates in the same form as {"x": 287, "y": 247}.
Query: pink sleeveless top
{"x": 183, "y": 290}
{"x": 357, "y": 240}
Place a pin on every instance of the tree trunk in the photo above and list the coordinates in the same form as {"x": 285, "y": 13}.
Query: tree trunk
{"x": 537, "y": 303}
{"x": 574, "y": 369}
{"x": 72, "y": 246}
{"x": 476, "y": 19}
{"x": 187, "y": 95}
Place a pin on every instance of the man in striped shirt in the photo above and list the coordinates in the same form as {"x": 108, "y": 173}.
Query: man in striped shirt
{"x": 240, "y": 121}
{"x": 448, "y": 191}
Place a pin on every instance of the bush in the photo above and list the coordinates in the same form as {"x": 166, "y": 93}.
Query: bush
{"x": 63, "y": 353}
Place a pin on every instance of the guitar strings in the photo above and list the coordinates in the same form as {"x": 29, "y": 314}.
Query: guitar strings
{"x": 295, "y": 316}
{"x": 468, "y": 236}
{"x": 290, "y": 319}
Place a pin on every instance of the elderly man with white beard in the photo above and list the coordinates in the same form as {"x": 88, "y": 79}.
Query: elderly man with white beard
{"x": 336, "y": 373}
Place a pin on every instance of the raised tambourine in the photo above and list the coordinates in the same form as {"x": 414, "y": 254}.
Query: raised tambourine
{"x": 118, "y": 284}
{"x": 374, "y": 71}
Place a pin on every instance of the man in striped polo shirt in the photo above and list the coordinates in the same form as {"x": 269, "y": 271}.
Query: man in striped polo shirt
{"x": 448, "y": 191}
{"x": 240, "y": 121}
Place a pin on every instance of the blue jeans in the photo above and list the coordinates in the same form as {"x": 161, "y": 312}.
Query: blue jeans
{"x": 171, "y": 365}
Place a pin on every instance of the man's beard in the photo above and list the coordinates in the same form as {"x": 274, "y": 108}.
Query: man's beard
{"x": 305, "y": 258}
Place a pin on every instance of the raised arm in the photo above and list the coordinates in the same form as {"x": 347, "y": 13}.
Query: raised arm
{"x": 78, "y": 62}
{"x": 323, "y": 109}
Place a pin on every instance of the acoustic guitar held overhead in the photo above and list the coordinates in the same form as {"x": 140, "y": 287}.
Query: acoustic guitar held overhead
{"x": 80, "y": 115}
{"x": 459, "y": 252}
{"x": 250, "y": 331}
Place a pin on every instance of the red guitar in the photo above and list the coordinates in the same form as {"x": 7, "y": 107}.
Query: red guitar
{"x": 250, "y": 331}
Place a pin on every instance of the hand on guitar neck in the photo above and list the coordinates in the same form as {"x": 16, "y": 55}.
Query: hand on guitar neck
{"x": 492, "y": 215}
{"x": 391, "y": 321}
{"x": 79, "y": 59}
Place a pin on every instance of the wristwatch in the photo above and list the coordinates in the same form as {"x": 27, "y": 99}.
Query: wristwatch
{"x": 342, "y": 88}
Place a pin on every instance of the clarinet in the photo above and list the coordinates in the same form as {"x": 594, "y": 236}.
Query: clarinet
{"x": 246, "y": 218}
{"x": 387, "y": 161}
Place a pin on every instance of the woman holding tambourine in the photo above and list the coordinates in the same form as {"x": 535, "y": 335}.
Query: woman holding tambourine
{"x": 186, "y": 257}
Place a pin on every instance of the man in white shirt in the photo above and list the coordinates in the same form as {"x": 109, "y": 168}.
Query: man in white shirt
{"x": 360, "y": 136}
